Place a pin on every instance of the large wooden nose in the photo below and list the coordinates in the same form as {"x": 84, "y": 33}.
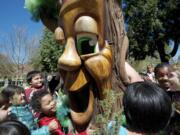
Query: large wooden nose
{"x": 70, "y": 59}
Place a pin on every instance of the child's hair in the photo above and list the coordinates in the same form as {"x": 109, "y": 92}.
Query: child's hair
{"x": 32, "y": 74}
{"x": 161, "y": 65}
{"x": 147, "y": 107}
{"x": 4, "y": 101}
{"x": 36, "y": 99}
{"x": 10, "y": 90}
{"x": 13, "y": 127}
{"x": 150, "y": 66}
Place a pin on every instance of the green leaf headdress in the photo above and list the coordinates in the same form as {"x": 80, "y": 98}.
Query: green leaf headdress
{"x": 37, "y": 7}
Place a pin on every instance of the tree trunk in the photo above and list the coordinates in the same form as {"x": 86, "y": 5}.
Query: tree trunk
{"x": 161, "y": 49}
{"x": 117, "y": 38}
{"x": 175, "y": 48}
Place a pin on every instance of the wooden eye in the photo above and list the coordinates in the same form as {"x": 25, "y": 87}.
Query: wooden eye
{"x": 86, "y": 45}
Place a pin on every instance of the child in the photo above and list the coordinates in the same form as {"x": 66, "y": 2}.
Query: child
{"x": 150, "y": 72}
{"x": 175, "y": 77}
{"x": 43, "y": 102}
{"x": 165, "y": 77}
{"x": 36, "y": 82}
{"x": 147, "y": 109}
{"x": 20, "y": 110}
{"x": 12, "y": 127}
{"x": 162, "y": 72}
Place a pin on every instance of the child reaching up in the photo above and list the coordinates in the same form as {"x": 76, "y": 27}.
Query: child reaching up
{"x": 43, "y": 103}
{"x": 20, "y": 111}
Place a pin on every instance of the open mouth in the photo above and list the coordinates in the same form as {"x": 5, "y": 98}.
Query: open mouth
{"x": 82, "y": 105}
{"x": 80, "y": 89}
{"x": 78, "y": 96}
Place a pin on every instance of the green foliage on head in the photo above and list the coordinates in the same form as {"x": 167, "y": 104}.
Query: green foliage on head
{"x": 36, "y": 7}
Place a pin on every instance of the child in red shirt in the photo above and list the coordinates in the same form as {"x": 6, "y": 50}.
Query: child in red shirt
{"x": 36, "y": 81}
{"x": 43, "y": 102}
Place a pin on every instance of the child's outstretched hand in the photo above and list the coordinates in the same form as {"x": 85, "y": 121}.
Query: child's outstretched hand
{"x": 53, "y": 125}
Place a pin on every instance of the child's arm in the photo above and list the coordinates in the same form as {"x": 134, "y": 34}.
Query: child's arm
{"x": 46, "y": 129}
{"x": 41, "y": 131}
{"x": 132, "y": 74}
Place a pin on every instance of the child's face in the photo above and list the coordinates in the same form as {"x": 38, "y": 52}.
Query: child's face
{"x": 149, "y": 69}
{"x": 18, "y": 99}
{"x": 37, "y": 81}
{"x": 162, "y": 77}
{"x": 48, "y": 104}
{"x": 175, "y": 79}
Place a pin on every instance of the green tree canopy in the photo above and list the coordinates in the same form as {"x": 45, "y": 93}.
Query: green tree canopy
{"x": 152, "y": 25}
{"x": 49, "y": 51}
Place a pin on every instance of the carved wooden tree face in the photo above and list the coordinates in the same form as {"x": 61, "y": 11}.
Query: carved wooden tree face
{"x": 86, "y": 63}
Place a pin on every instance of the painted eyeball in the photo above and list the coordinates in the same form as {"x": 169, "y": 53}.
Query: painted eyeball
{"x": 87, "y": 43}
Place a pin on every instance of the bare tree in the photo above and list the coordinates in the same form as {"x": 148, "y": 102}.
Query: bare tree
{"x": 6, "y": 66}
{"x": 18, "y": 46}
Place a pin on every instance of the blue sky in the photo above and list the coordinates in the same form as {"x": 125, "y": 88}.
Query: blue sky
{"x": 13, "y": 13}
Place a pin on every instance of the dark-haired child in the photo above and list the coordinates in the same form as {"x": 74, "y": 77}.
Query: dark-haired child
{"x": 20, "y": 111}
{"x": 43, "y": 102}
{"x": 13, "y": 127}
{"x": 167, "y": 77}
{"x": 147, "y": 109}
{"x": 35, "y": 80}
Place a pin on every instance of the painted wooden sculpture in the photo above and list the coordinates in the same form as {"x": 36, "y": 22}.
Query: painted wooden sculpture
{"x": 95, "y": 47}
